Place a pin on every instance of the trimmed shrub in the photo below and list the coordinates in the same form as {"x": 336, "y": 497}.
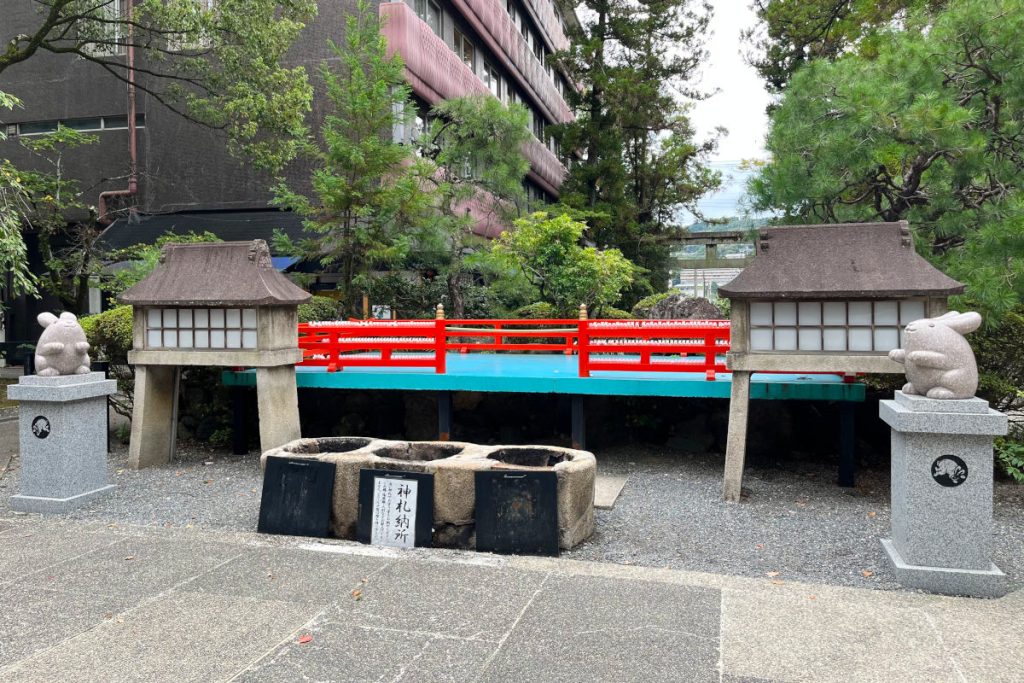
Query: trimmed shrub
{"x": 110, "y": 337}
{"x": 319, "y": 308}
{"x": 536, "y": 311}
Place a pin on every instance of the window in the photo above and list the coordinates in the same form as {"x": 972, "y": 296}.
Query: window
{"x": 103, "y": 34}
{"x": 492, "y": 80}
{"x": 538, "y": 126}
{"x": 192, "y": 40}
{"x": 430, "y": 12}
{"x": 201, "y": 328}
{"x": 465, "y": 50}
{"x": 831, "y": 326}
{"x": 84, "y": 124}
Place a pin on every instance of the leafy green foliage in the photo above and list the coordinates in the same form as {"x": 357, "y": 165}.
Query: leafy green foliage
{"x": 791, "y": 33}
{"x": 540, "y": 310}
{"x": 941, "y": 145}
{"x": 477, "y": 172}
{"x": 366, "y": 188}
{"x": 1010, "y": 456}
{"x": 634, "y": 62}
{"x": 110, "y": 338}
{"x": 13, "y": 200}
{"x": 546, "y": 250}
{"x": 319, "y": 308}
{"x": 997, "y": 349}
{"x": 50, "y": 202}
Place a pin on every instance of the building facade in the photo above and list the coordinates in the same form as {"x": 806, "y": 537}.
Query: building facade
{"x": 451, "y": 48}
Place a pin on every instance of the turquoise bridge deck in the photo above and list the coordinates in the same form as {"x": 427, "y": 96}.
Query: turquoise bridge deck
{"x": 558, "y": 374}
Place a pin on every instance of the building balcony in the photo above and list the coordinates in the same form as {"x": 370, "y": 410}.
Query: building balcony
{"x": 544, "y": 14}
{"x": 491, "y": 20}
{"x": 436, "y": 73}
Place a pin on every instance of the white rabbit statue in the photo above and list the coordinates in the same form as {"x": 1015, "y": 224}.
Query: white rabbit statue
{"x": 62, "y": 348}
{"x": 939, "y": 361}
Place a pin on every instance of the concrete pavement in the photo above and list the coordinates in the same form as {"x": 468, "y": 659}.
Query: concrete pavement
{"x": 96, "y": 602}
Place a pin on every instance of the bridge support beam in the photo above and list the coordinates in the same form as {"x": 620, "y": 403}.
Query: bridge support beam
{"x": 579, "y": 422}
{"x": 444, "y": 416}
{"x": 847, "y": 443}
{"x": 736, "y": 443}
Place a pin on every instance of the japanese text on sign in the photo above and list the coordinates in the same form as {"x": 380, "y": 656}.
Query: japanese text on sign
{"x": 394, "y": 512}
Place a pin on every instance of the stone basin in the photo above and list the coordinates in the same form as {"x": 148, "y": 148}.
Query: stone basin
{"x": 454, "y": 466}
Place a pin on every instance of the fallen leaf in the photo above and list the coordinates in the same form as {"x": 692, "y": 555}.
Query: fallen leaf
{"x": 120, "y": 472}
{"x": 777, "y": 582}
{"x": 357, "y": 594}
{"x": 108, "y": 615}
{"x": 130, "y": 557}
{"x": 812, "y": 597}
{"x": 305, "y": 639}
{"x": 178, "y": 474}
{"x": 772, "y": 573}
{"x": 208, "y": 481}
{"x": 866, "y": 573}
{"x": 872, "y": 513}
{"x": 759, "y": 546}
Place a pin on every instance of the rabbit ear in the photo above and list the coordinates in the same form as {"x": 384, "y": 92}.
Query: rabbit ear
{"x": 963, "y": 322}
{"x": 46, "y": 319}
{"x": 946, "y": 316}
{"x": 67, "y": 315}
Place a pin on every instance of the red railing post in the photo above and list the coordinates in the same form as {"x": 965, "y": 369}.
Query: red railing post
{"x": 584, "y": 342}
{"x": 440, "y": 342}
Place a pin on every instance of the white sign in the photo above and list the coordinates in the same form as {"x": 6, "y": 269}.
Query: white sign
{"x": 394, "y": 512}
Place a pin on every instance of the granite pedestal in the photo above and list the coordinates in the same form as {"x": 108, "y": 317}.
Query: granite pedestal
{"x": 63, "y": 438}
{"x": 942, "y": 494}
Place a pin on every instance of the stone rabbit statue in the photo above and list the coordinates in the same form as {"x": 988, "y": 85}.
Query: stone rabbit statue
{"x": 62, "y": 348}
{"x": 939, "y": 361}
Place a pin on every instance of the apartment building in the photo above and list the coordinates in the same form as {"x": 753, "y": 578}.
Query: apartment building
{"x": 187, "y": 180}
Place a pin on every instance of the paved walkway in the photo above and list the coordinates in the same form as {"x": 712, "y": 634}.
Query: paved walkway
{"x": 96, "y": 602}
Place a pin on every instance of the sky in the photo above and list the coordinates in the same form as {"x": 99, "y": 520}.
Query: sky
{"x": 740, "y": 103}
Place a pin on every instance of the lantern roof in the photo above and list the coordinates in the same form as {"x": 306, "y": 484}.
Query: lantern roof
{"x": 839, "y": 261}
{"x": 215, "y": 274}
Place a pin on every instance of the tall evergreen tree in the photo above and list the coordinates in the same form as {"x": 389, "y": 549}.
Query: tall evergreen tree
{"x": 635, "y": 61}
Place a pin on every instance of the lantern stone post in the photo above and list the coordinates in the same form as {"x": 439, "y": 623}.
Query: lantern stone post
{"x": 823, "y": 298}
{"x": 212, "y": 304}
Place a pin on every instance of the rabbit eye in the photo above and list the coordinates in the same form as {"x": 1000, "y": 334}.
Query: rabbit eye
{"x": 931, "y": 324}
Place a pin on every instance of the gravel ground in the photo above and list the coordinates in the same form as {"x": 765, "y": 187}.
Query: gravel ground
{"x": 794, "y": 524}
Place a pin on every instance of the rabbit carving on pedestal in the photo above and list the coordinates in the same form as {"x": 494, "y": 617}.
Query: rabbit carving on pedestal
{"x": 62, "y": 348}
{"x": 939, "y": 361}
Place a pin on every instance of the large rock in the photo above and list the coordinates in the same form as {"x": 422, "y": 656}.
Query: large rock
{"x": 682, "y": 307}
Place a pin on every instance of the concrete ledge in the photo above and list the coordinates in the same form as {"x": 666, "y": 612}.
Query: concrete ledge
{"x": 216, "y": 357}
{"x": 902, "y": 419}
{"x": 922, "y": 404}
{"x": 58, "y": 505}
{"x": 781, "y": 361}
{"x": 62, "y": 388}
{"x": 975, "y": 583}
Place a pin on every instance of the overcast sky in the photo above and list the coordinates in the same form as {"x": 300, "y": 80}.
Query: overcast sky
{"x": 740, "y": 104}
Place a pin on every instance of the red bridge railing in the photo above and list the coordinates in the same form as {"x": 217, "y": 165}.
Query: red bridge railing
{"x": 600, "y": 345}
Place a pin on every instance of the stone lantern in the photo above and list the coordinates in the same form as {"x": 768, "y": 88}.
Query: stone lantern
{"x": 823, "y": 298}
{"x": 214, "y": 304}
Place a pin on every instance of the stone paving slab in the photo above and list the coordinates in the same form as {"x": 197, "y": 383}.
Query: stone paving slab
{"x": 34, "y": 619}
{"x": 607, "y": 488}
{"x": 181, "y": 638}
{"x": 440, "y": 598}
{"x": 134, "y": 566}
{"x": 796, "y": 635}
{"x": 626, "y": 630}
{"x": 290, "y": 575}
{"x": 29, "y": 548}
{"x": 341, "y": 651}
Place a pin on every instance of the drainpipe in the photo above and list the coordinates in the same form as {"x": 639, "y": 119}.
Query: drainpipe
{"x": 133, "y": 177}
